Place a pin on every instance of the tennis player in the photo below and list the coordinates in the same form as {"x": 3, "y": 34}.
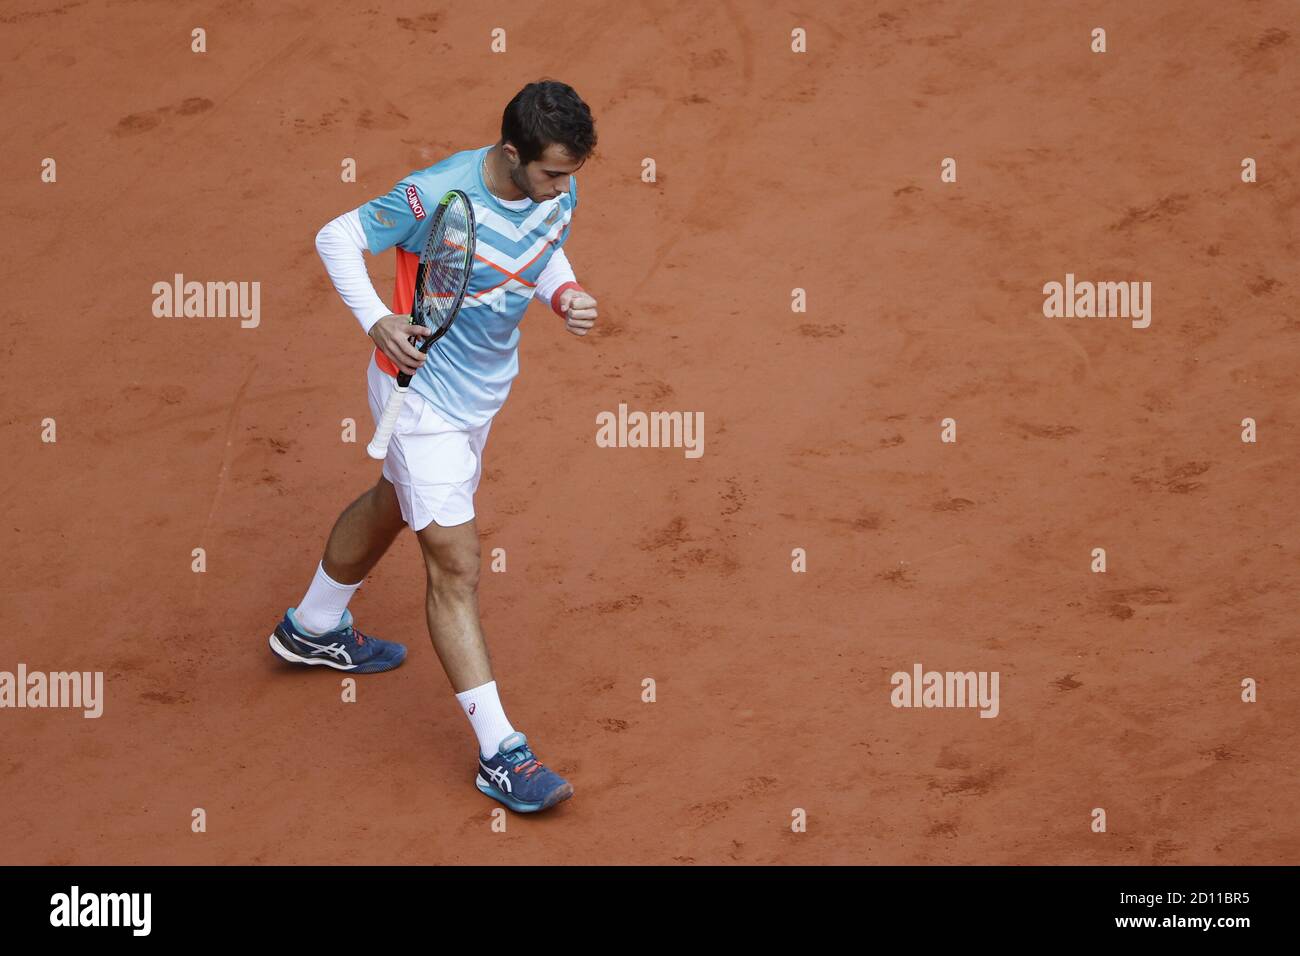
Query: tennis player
{"x": 524, "y": 194}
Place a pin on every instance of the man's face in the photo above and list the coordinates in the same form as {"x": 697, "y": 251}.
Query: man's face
{"x": 547, "y": 176}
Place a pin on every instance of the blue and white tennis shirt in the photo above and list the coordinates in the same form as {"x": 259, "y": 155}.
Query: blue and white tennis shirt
{"x": 468, "y": 373}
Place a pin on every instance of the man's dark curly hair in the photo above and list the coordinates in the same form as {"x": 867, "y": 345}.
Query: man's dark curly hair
{"x": 548, "y": 112}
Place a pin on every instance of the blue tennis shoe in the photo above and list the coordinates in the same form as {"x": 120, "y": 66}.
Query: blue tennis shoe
{"x": 517, "y": 778}
{"x": 344, "y": 648}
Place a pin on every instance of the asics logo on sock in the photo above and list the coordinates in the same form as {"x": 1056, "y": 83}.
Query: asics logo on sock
{"x": 335, "y": 651}
{"x": 500, "y": 776}
{"x": 471, "y": 710}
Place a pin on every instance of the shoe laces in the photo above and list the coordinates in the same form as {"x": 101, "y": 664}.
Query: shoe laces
{"x": 350, "y": 633}
{"x": 530, "y": 766}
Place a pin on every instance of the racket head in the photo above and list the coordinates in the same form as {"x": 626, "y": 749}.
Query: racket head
{"x": 446, "y": 264}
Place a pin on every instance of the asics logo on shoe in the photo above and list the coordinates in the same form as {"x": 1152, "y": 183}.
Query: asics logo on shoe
{"x": 500, "y": 776}
{"x": 471, "y": 710}
{"x": 335, "y": 651}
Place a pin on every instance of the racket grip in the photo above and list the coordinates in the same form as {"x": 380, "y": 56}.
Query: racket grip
{"x": 378, "y": 447}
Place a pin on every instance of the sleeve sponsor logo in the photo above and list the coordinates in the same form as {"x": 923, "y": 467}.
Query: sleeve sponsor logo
{"x": 413, "y": 200}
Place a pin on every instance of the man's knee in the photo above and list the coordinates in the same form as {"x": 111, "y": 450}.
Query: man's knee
{"x": 452, "y": 565}
{"x": 458, "y": 573}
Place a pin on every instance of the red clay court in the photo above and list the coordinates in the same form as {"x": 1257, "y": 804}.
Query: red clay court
{"x": 775, "y": 171}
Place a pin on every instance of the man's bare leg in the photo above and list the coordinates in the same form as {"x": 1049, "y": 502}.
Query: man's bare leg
{"x": 451, "y": 561}
{"x": 361, "y": 535}
{"x": 514, "y": 775}
{"x": 363, "y": 532}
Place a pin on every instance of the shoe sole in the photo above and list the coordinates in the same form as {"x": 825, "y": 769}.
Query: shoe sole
{"x": 558, "y": 795}
{"x": 282, "y": 652}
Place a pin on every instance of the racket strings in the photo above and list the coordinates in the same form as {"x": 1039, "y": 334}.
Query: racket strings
{"x": 447, "y": 268}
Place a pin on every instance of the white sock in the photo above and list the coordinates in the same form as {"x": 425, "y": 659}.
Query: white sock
{"x": 483, "y": 708}
{"x": 322, "y": 608}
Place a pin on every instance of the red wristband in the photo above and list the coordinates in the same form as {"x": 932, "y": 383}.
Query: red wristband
{"x": 555, "y": 296}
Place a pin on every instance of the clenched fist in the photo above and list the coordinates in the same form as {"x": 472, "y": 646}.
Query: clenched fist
{"x": 579, "y": 310}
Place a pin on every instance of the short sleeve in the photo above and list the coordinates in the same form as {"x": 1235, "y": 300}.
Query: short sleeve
{"x": 394, "y": 219}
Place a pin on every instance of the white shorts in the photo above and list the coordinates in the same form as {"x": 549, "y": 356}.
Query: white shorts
{"x": 434, "y": 465}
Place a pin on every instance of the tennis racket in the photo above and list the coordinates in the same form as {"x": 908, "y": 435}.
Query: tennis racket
{"x": 440, "y": 284}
